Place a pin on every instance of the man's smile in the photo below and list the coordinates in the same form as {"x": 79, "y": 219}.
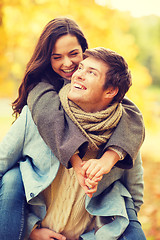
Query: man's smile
{"x": 79, "y": 86}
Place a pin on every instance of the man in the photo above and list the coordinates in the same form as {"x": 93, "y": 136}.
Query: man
{"x": 47, "y": 174}
{"x": 94, "y": 89}
{"x": 110, "y": 76}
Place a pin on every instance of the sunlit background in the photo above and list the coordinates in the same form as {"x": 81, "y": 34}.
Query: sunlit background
{"x": 130, "y": 27}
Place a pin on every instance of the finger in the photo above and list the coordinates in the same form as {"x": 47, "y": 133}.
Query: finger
{"x": 85, "y": 188}
{"x": 57, "y": 236}
{"x": 99, "y": 173}
{"x": 90, "y": 184}
{"x": 92, "y": 190}
{"x": 83, "y": 172}
{"x": 82, "y": 163}
{"x": 93, "y": 172}
{"x": 85, "y": 166}
{"x": 97, "y": 179}
{"x": 89, "y": 195}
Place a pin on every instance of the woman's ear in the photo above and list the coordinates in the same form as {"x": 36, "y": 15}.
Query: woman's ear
{"x": 111, "y": 92}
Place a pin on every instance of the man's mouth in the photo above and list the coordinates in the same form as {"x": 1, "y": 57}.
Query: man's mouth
{"x": 79, "y": 86}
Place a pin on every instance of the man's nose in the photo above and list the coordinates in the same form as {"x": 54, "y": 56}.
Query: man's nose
{"x": 81, "y": 74}
{"x": 67, "y": 62}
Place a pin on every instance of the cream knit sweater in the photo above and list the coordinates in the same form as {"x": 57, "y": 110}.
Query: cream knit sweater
{"x": 65, "y": 201}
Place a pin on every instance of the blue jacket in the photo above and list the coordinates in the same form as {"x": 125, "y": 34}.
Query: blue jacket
{"x": 39, "y": 167}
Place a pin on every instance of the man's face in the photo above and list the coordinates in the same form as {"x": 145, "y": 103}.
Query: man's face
{"x": 87, "y": 85}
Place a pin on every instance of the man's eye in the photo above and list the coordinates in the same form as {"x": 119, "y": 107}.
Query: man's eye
{"x": 79, "y": 68}
{"x": 91, "y": 72}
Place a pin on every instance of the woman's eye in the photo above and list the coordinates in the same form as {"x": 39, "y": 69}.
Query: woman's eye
{"x": 56, "y": 58}
{"x": 74, "y": 54}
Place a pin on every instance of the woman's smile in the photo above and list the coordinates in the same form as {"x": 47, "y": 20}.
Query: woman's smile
{"x": 66, "y": 55}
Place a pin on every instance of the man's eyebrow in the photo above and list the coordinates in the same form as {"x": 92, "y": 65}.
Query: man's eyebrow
{"x": 94, "y": 69}
{"x": 91, "y": 68}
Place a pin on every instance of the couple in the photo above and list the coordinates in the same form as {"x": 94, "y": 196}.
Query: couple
{"x": 112, "y": 208}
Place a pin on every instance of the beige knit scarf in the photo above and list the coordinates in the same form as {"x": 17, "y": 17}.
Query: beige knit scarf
{"x": 98, "y": 126}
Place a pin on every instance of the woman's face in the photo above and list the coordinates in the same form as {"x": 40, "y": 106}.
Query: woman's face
{"x": 66, "y": 55}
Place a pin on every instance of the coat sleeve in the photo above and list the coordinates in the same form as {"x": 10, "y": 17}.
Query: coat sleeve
{"x": 11, "y": 147}
{"x": 133, "y": 181}
{"x": 55, "y": 127}
{"x": 129, "y": 134}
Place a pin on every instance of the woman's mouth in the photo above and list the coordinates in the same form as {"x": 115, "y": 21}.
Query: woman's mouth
{"x": 69, "y": 72}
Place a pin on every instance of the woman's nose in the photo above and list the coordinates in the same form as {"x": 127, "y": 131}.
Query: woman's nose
{"x": 67, "y": 62}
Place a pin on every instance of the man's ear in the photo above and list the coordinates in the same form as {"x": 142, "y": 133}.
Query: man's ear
{"x": 111, "y": 92}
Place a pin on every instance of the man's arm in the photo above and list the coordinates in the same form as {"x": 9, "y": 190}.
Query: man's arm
{"x": 57, "y": 130}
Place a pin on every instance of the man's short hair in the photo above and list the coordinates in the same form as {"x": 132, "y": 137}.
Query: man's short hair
{"x": 118, "y": 74}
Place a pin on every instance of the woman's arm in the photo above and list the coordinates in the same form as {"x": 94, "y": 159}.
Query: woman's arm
{"x": 57, "y": 130}
{"x": 64, "y": 138}
{"x": 128, "y": 135}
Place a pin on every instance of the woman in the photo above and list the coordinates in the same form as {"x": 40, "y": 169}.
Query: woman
{"x": 43, "y": 72}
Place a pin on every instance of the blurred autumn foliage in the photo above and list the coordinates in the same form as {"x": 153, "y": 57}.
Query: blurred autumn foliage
{"x": 21, "y": 23}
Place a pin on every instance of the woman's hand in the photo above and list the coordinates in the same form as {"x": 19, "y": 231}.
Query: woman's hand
{"x": 94, "y": 169}
{"x": 45, "y": 234}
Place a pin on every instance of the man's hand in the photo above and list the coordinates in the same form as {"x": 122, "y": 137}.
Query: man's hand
{"x": 45, "y": 234}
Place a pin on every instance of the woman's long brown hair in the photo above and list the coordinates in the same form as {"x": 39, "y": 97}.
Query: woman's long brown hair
{"x": 40, "y": 60}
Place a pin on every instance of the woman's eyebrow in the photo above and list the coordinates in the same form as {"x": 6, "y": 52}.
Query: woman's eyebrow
{"x": 74, "y": 50}
{"x": 57, "y": 54}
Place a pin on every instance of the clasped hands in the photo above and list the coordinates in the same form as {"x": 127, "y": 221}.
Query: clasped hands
{"x": 90, "y": 172}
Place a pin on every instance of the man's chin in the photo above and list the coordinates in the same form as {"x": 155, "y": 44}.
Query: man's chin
{"x": 73, "y": 97}
{"x": 70, "y": 96}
